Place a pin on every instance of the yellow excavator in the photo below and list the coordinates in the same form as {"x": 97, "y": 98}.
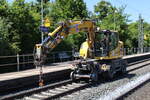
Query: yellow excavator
{"x": 101, "y": 53}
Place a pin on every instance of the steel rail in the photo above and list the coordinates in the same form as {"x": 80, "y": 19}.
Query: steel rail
{"x": 35, "y": 90}
{"x": 136, "y": 62}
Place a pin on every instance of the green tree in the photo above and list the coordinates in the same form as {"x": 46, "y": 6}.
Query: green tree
{"x": 133, "y": 32}
{"x": 10, "y": 38}
{"x": 146, "y": 34}
{"x": 103, "y": 9}
{"x": 68, "y": 9}
{"x": 25, "y": 25}
{"x": 113, "y": 18}
{"x": 44, "y": 1}
{"x": 3, "y": 8}
{"x": 61, "y": 10}
{"x": 6, "y": 46}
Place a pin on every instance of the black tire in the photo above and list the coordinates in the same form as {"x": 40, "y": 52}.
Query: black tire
{"x": 124, "y": 69}
{"x": 109, "y": 74}
{"x": 72, "y": 76}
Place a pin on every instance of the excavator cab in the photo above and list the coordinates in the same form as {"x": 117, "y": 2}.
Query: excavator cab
{"x": 105, "y": 41}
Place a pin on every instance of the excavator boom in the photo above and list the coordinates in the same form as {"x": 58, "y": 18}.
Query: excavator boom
{"x": 61, "y": 32}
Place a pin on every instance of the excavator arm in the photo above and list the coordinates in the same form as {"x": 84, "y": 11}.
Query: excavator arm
{"x": 60, "y": 33}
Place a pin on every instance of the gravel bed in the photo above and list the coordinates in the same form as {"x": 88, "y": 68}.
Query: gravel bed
{"x": 142, "y": 93}
{"x": 102, "y": 88}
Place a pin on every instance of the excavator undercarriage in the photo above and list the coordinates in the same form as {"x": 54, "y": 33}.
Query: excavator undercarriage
{"x": 94, "y": 68}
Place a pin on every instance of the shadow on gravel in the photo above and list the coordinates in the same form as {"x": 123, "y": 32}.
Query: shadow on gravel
{"x": 117, "y": 76}
{"x": 102, "y": 80}
{"x": 127, "y": 75}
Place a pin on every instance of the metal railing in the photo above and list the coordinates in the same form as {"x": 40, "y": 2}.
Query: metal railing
{"x": 23, "y": 60}
{"x": 131, "y": 51}
{"x": 16, "y": 60}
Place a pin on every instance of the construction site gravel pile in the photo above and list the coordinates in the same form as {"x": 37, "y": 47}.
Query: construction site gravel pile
{"x": 104, "y": 87}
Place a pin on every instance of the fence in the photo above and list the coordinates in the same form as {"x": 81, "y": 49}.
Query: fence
{"x": 130, "y": 51}
{"x": 16, "y": 60}
{"x": 24, "y": 60}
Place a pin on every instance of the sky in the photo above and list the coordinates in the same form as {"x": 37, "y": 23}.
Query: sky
{"x": 133, "y": 7}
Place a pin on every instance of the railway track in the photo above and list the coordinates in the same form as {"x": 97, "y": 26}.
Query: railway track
{"x": 52, "y": 91}
{"x": 59, "y": 89}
